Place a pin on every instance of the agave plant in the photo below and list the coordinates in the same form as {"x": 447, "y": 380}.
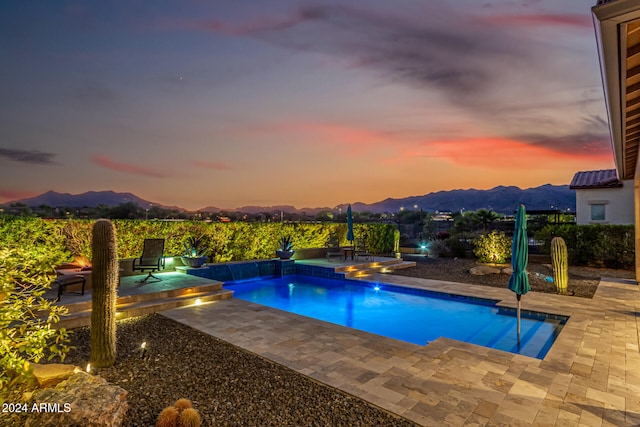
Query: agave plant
{"x": 193, "y": 248}
{"x": 286, "y": 243}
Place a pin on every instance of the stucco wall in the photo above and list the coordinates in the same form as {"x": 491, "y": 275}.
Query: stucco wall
{"x": 618, "y": 202}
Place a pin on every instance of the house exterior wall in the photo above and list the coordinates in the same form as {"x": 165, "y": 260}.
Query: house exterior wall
{"x": 618, "y": 202}
{"x": 636, "y": 191}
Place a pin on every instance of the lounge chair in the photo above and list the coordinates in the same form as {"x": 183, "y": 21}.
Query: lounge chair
{"x": 65, "y": 280}
{"x": 333, "y": 249}
{"x": 361, "y": 250}
{"x": 151, "y": 260}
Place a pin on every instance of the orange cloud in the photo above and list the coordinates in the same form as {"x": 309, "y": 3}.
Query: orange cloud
{"x": 11, "y": 195}
{"x": 507, "y": 153}
{"x": 108, "y": 163}
{"x": 354, "y": 139}
{"x": 212, "y": 165}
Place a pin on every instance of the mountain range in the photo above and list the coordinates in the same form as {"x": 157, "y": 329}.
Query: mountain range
{"x": 500, "y": 199}
{"x": 90, "y": 199}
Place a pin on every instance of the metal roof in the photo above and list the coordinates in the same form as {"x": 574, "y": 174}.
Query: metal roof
{"x": 607, "y": 178}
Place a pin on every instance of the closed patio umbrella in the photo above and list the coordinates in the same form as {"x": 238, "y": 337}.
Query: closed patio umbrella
{"x": 350, "y": 235}
{"x": 519, "y": 281}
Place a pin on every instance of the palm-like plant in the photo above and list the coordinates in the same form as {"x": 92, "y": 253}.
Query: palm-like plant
{"x": 462, "y": 221}
{"x": 286, "y": 243}
{"x": 484, "y": 217}
{"x": 194, "y": 248}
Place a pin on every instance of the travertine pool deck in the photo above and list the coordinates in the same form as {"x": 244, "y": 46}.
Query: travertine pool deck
{"x": 590, "y": 377}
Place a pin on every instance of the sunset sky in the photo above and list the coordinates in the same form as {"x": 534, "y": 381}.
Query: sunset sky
{"x": 309, "y": 103}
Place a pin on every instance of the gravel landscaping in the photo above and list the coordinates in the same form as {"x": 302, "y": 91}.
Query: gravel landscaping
{"x": 227, "y": 385}
{"x": 583, "y": 281}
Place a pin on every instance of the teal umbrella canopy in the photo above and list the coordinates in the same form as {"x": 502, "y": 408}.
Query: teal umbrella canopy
{"x": 519, "y": 280}
{"x": 350, "y": 235}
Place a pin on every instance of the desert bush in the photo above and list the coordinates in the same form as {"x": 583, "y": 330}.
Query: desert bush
{"x": 458, "y": 247}
{"x": 493, "y": 247}
{"x": 442, "y": 235}
{"x": 26, "y": 316}
{"x": 438, "y": 248}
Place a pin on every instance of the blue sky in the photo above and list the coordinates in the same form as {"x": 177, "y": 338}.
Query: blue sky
{"x": 308, "y": 103}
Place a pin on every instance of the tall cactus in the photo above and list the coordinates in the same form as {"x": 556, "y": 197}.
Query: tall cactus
{"x": 560, "y": 264}
{"x": 105, "y": 281}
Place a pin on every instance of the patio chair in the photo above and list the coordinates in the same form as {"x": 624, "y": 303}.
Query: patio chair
{"x": 151, "y": 260}
{"x": 361, "y": 250}
{"x": 333, "y": 248}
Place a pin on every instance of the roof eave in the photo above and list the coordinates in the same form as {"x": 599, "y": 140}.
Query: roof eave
{"x": 607, "y": 19}
{"x": 610, "y": 70}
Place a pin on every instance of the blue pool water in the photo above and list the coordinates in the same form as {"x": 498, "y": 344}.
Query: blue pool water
{"x": 411, "y": 315}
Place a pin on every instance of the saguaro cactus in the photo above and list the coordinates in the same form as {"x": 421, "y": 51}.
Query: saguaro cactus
{"x": 105, "y": 281}
{"x": 560, "y": 264}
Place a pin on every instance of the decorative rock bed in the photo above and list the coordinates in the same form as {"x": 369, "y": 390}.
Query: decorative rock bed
{"x": 227, "y": 385}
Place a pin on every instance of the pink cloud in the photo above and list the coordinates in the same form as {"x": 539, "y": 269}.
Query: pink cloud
{"x": 212, "y": 165}
{"x": 108, "y": 163}
{"x": 568, "y": 20}
{"x": 508, "y": 153}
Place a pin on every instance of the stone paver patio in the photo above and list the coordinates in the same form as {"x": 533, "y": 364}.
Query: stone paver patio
{"x": 590, "y": 377}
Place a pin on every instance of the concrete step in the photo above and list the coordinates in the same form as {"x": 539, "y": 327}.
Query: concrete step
{"x": 398, "y": 266}
{"x": 365, "y": 271}
{"x": 131, "y": 307}
{"x": 148, "y": 296}
{"x": 368, "y": 264}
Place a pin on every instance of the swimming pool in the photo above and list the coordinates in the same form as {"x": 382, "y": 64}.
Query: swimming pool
{"x": 413, "y": 315}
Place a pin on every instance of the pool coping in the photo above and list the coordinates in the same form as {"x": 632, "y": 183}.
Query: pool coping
{"x": 590, "y": 376}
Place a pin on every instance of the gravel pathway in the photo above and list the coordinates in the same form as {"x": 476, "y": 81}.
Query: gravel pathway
{"x": 227, "y": 385}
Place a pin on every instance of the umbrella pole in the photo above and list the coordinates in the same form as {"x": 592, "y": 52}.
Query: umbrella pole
{"x": 518, "y": 314}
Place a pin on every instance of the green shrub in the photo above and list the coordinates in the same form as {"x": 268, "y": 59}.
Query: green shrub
{"x": 494, "y": 247}
{"x": 597, "y": 245}
{"x": 26, "y": 316}
{"x": 232, "y": 241}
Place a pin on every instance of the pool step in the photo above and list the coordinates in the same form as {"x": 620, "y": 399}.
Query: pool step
{"x": 138, "y": 305}
{"x": 506, "y": 338}
{"x": 366, "y": 270}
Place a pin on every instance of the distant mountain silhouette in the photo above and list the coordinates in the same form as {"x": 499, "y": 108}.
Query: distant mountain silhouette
{"x": 260, "y": 209}
{"x": 500, "y": 199}
{"x": 90, "y": 199}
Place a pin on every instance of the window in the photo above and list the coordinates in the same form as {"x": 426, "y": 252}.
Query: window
{"x": 597, "y": 212}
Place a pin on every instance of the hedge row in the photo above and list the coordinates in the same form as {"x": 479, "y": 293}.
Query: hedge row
{"x": 611, "y": 246}
{"x": 233, "y": 241}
